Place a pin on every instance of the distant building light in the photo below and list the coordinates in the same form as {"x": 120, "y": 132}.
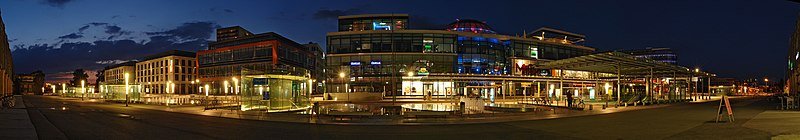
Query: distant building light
{"x": 355, "y": 63}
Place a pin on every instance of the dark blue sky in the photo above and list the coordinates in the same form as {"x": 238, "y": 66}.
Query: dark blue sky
{"x": 737, "y": 38}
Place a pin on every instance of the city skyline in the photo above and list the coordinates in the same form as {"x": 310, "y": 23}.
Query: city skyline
{"x": 98, "y": 42}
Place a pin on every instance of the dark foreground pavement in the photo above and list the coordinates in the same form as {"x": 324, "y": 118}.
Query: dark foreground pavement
{"x": 68, "y": 119}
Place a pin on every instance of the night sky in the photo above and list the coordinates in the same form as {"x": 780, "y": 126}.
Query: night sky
{"x": 738, "y": 38}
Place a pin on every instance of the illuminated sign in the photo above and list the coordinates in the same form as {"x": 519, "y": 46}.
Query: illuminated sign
{"x": 535, "y": 53}
{"x": 380, "y": 26}
{"x": 355, "y": 63}
{"x": 423, "y": 71}
{"x": 375, "y": 63}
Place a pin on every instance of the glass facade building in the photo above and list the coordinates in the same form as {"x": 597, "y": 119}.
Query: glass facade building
{"x": 367, "y": 60}
{"x": 269, "y": 52}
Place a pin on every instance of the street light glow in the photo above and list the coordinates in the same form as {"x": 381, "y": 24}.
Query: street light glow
{"x": 127, "y": 88}
{"x": 341, "y": 74}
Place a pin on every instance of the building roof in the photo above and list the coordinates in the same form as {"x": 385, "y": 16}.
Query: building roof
{"x": 170, "y": 53}
{"x": 470, "y": 25}
{"x": 129, "y": 63}
{"x": 470, "y": 34}
{"x": 253, "y": 39}
{"x": 629, "y": 65}
{"x": 545, "y": 29}
{"x": 372, "y": 16}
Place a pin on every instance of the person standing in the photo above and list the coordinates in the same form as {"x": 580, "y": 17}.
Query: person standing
{"x": 569, "y": 100}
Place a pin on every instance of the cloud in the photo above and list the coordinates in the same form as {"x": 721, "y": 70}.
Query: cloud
{"x": 333, "y": 14}
{"x": 113, "y": 29}
{"x": 94, "y": 55}
{"x": 84, "y": 28}
{"x": 112, "y": 62}
{"x": 223, "y": 10}
{"x": 56, "y": 3}
{"x": 188, "y": 32}
{"x": 71, "y": 36}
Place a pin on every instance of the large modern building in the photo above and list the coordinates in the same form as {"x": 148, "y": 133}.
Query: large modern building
{"x": 171, "y": 72}
{"x": 665, "y": 55}
{"x": 116, "y": 74}
{"x": 30, "y": 83}
{"x": 6, "y": 65}
{"x": 267, "y": 70}
{"x": 793, "y": 59}
{"x": 381, "y": 52}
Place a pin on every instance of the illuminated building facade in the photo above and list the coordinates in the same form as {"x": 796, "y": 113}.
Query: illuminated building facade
{"x": 364, "y": 58}
{"x": 793, "y": 58}
{"x": 114, "y": 85}
{"x": 265, "y": 71}
{"x": 665, "y": 55}
{"x": 31, "y": 83}
{"x": 116, "y": 74}
{"x": 237, "y": 49}
{"x": 171, "y": 72}
{"x": 6, "y": 65}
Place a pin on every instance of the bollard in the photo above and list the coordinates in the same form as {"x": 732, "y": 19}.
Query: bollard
{"x": 626, "y": 104}
{"x": 590, "y": 107}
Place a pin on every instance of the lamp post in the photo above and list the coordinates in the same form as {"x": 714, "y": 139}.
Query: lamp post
{"x": 83, "y": 89}
{"x": 63, "y": 89}
{"x": 127, "y": 89}
{"x": 235, "y": 86}
{"x": 766, "y": 84}
{"x": 341, "y": 75}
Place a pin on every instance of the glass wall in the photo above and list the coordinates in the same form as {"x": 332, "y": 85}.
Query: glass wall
{"x": 261, "y": 91}
{"x": 373, "y": 23}
{"x": 117, "y": 92}
{"x": 382, "y": 42}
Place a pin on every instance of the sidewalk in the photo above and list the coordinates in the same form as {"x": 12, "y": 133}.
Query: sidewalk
{"x": 15, "y": 123}
{"x": 782, "y": 124}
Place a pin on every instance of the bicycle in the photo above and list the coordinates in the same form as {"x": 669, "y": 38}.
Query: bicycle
{"x": 8, "y": 102}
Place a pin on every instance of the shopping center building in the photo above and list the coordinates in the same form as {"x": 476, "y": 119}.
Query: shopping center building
{"x": 382, "y": 54}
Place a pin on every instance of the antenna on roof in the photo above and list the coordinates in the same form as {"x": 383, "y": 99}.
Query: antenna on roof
{"x": 524, "y": 33}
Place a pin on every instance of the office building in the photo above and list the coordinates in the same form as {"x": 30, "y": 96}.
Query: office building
{"x": 115, "y": 85}
{"x": 171, "y": 72}
{"x": 259, "y": 68}
{"x": 116, "y": 74}
{"x": 30, "y": 83}
{"x": 380, "y": 52}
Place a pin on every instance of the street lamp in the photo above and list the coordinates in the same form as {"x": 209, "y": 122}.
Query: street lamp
{"x": 127, "y": 89}
{"x": 235, "y": 86}
{"x": 341, "y": 75}
{"x": 83, "y": 89}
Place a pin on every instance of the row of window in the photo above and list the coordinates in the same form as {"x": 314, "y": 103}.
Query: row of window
{"x": 449, "y": 43}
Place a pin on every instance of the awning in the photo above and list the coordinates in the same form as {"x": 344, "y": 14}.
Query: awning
{"x": 628, "y": 65}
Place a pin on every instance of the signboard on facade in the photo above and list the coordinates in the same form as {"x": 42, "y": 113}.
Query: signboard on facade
{"x": 260, "y": 81}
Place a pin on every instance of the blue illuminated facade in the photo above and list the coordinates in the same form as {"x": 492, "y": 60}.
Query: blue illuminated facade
{"x": 369, "y": 57}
